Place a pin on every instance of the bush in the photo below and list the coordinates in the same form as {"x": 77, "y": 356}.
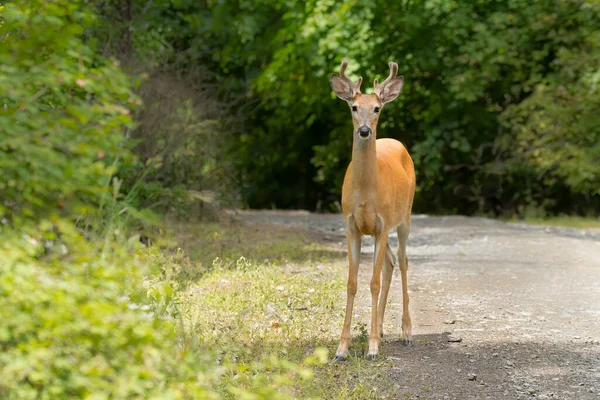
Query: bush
{"x": 74, "y": 330}
{"x": 63, "y": 111}
{"x": 555, "y": 132}
{"x": 94, "y": 327}
{"x": 80, "y": 318}
{"x": 70, "y": 323}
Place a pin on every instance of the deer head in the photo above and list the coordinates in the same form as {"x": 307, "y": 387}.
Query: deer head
{"x": 366, "y": 107}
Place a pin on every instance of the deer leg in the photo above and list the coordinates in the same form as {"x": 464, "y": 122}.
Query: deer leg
{"x": 403, "y": 231}
{"x": 388, "y": 269}
{"x": 380, "y": 250}
{"x": 354, "y": 244}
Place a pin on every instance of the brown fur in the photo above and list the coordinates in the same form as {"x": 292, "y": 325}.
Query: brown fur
{"x": 377, "y": 196}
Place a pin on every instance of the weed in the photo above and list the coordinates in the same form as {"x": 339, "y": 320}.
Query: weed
{"x": 361, "y": 342}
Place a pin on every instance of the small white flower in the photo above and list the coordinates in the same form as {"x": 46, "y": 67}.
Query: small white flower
{"x": 30, "y": 239}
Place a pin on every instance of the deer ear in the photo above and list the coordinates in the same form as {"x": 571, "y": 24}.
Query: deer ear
{"x": 341, "y": 88}
{"x": 391, "y": 90}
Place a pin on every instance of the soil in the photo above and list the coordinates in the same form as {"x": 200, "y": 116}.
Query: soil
{"x": 499, "y": 310}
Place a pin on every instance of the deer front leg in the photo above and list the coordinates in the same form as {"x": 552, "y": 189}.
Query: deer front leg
{"x": 354, "y": 244}
{"x": 380, "y": 250}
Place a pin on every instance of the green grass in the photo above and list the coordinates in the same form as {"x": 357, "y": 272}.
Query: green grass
{"x": 565, "y": 220}
{"x": 229, "y": 241}
{"x": 247, "y": 311}
{"x": 262, "y": 307}
{"x": 252, "y": 312}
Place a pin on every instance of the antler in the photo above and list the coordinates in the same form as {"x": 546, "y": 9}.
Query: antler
{"x": 355, "y": 87}
{"x": 377, "y": 88}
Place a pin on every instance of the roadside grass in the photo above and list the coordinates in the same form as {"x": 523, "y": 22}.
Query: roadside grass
{"x": 567, "y": 221}
{"x": 252, "y": 312}
{"x": 230, "y": 240}
{"x": 249, "y": 312}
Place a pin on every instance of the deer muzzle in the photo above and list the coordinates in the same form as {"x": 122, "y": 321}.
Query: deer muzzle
{"x": 364, "y": 132}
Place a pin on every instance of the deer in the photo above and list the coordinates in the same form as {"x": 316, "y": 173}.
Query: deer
{"x": 377, "y": 196}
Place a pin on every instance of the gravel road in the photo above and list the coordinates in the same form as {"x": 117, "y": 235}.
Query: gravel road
{"x": 523, "y": 303}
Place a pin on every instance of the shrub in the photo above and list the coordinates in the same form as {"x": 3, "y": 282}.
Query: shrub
{"x": 90, "y": 327}
{"x": 74, "y": 330}
{"x": 78, "y": 320}
{"x": 74, "y": 322}
{"x": 62, "y": 112}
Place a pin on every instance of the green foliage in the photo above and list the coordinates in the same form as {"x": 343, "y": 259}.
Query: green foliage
{"x": 73, "y": 329}
{"x": 181, "y": 129}
{"x": 497, "y": 110}
{"x": 557, "y": 128}
{"x": 80, "y": 318}
{"x": 85, "y": 311}
{"x": 108, "y": 323}
{"x": 62, "y": 111}
{"x": 487, "y": 85}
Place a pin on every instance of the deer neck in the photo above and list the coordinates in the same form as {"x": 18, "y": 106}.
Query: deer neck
{"x": 364, "y": 167}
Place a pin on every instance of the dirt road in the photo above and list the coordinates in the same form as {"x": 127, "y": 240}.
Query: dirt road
{"x": 523, "y": 300}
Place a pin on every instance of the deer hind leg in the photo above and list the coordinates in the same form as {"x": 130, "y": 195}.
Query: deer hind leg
{"x": 388, "y": 268}
{"x": 354, "y": 244}
{"x": 381, "y": 242}
{"x": 403, "y": 231}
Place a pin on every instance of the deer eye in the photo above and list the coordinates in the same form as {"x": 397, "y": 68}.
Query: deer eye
{"x": 376, "y": 109}
{"x": 355, "y": 108}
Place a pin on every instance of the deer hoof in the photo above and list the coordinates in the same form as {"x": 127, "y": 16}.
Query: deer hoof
{"x": 407, "y": 342}
{"x": 340, "y": 358}
{"x": 372, "y": 357}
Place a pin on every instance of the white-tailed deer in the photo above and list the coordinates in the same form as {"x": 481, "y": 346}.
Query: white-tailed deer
{"x": 377, "y": 196}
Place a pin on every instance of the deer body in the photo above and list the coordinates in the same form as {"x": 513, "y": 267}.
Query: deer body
{"x": 377, "y": 196}
{"x": 381, "y": 186}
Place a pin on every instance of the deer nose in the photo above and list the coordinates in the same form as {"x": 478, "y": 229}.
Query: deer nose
{"x": 364, "y": 131}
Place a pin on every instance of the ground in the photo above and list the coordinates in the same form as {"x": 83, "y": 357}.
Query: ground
{"x": 523, "y": 301}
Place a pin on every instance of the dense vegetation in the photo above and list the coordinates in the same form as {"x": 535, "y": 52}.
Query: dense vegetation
{"x": 498, "y": 110}
{"x": 115, "y": 112}
{"x": 87, "y": 311}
